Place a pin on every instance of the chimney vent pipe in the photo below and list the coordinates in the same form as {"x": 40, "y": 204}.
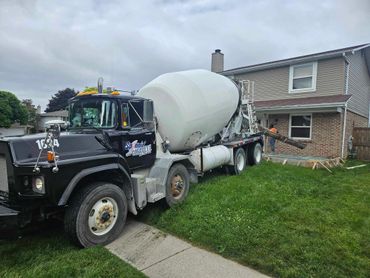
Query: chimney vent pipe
{"x": 217, "y": 64}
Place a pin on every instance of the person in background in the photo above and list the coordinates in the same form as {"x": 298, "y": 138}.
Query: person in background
{"x": 272, "y": 141}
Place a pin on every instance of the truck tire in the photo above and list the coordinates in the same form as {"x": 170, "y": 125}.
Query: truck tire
{"x": 177, "y": 186}
{"x": 96, "y": 214}
{"x": 240, "y": 162}
{"x": 254, "y": 154}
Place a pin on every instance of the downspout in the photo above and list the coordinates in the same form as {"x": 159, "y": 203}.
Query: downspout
{"x": 345, "y": 105}
{"x": 266, "y": 124}
{"x": 344, "y": 128}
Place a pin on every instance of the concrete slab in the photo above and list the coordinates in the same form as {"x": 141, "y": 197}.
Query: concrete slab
{"x": 159, "y": 255}
{"x": 196, "y": 262}
{"x": 143, "y": 246}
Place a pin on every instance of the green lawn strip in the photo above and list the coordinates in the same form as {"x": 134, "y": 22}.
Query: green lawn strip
{"x": 285, "y": 221}
{"x": 54, "y": 256}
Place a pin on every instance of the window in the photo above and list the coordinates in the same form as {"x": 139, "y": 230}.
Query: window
{"x": 125, "y": 115}
{"x": 302, "y": 78}
{"x": 300, "y": 126}
{"x": 132, "y": 113}
{"x": 136, "y": 113}
{"x": 92, "y": 113}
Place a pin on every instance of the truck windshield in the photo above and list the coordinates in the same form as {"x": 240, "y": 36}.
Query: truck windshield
{"x": 92, "y": 113}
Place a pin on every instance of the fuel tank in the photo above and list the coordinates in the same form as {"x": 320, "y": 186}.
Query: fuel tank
{"x": 191, "y": 106}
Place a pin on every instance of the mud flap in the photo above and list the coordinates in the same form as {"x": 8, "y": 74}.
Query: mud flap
{"x": 8, "y": 222}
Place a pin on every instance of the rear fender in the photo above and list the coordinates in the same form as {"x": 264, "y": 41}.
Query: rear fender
{"x": 162, "y": 166}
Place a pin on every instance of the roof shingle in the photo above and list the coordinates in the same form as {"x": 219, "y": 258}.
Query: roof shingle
{"x": 293, "y": 60}
{"x": 334, "y": 99}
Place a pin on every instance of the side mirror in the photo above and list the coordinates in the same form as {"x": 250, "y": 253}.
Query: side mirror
{"x": 54, "y": 126}
{"x": 54, "y": 129}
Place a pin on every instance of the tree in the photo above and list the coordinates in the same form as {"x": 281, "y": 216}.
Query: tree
{"x": 60, "y": 100}
{"x": 31, "y": 109}
{"x": 11, "y": 110}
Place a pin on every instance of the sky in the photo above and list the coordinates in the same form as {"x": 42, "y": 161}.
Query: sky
{"x": 49, "y": 45}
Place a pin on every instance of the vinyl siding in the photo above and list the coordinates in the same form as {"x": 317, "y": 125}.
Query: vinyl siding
{"x": 274, "y": 83}
{"x": 358, "y": 84}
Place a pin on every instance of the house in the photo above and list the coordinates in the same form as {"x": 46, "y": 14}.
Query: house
{"x": 316, "y": 98}
{"x": 15, "y": 129}
{"x": 45, "y": 117}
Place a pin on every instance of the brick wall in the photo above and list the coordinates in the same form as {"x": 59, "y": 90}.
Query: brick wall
{"x": 326, "y": 135}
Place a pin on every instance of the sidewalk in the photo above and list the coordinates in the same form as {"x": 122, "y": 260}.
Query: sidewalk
{"x": 158, "y": 254}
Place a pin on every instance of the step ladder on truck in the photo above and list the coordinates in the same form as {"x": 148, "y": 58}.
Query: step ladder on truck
{"x": 248, "y": 103}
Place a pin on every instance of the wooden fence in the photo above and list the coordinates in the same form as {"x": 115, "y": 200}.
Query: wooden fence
{"x": 361, "y": 142}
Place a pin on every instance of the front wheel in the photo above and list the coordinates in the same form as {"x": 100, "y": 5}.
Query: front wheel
{"x": 177, "y": 186}
{"x": 96, "y": 215}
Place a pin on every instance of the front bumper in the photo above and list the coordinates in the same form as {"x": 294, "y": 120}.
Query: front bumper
{"x": 8, "y": 222}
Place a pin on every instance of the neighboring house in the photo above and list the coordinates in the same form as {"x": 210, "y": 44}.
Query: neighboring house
{"x": 315, "y": 98}
{"x": 45, "y": 117}
{"x": 15, "y": 130}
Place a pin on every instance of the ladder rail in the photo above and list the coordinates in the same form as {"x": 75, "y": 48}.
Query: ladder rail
{"x": 247, "y": 88}
{"x": 248, "y": 97}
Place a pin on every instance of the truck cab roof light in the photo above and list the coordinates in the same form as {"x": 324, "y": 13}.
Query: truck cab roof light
{"x": 87, "y": 93}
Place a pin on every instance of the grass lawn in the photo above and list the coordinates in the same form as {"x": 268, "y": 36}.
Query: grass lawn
{"x": 51, "y": 255}
{"x": 285, "y": 221}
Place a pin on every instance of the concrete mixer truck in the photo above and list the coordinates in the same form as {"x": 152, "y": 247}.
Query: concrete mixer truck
{"x": 121, "y": 152}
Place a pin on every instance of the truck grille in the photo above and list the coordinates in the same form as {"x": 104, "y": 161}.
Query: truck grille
{"x": 3, "y": 175}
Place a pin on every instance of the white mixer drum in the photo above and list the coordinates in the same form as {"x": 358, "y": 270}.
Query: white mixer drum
{"x": 191, "y": 106}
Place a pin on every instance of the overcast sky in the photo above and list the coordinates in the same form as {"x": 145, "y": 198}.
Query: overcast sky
{"x": 48, "y": 45}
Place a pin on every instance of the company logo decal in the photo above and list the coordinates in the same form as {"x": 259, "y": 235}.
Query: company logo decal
{"x": 136, "y": 148}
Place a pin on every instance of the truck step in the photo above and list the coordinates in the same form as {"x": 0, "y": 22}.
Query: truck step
{"x": 155, "y": 197}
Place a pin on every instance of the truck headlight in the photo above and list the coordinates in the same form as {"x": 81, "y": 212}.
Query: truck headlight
{"x": 38, "y": 185}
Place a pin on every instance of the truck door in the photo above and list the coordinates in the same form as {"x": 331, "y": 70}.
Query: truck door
{"x": 138, "y": 140}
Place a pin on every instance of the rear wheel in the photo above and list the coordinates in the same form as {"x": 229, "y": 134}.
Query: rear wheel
{"x": 177, "y": 186}
{"x": 240, "y": 162}
{"x": 96, "y": 214}
{"x": 254, "y": 154}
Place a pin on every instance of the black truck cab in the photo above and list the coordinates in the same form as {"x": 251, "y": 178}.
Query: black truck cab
{"x": 126, "y": 120}
{"x": 109, "y": 136}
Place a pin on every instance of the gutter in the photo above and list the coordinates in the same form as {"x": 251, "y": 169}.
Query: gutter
{"x": 360, "y": 48}
{"x": 292, "y": 107}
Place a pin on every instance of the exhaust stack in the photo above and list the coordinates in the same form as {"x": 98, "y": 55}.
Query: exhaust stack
{"x": 100, "y": 85}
